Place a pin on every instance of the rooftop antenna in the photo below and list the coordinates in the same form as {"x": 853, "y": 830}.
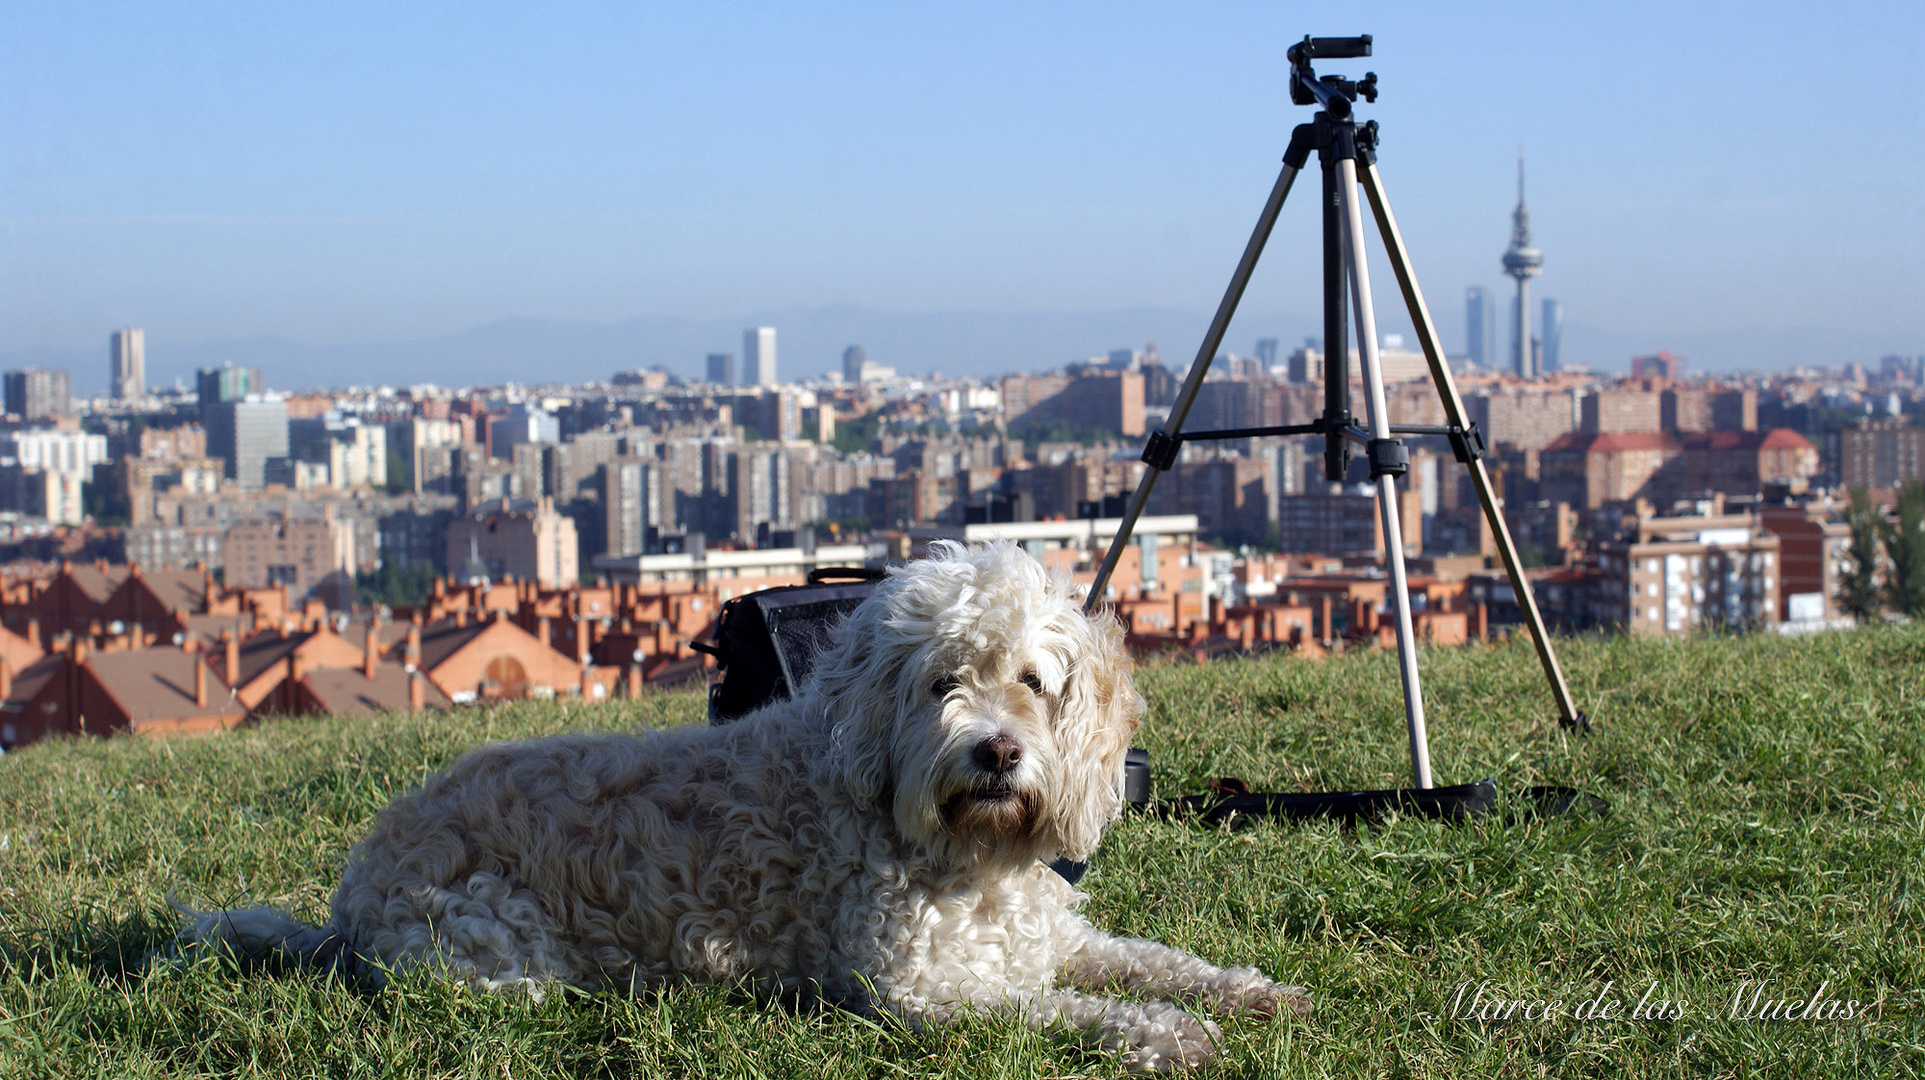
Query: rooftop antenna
{"x": 1347, "y": 155}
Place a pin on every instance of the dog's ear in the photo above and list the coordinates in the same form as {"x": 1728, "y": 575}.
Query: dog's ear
{"x": 1101, "y": 711}
{"x": 857, "y": 690}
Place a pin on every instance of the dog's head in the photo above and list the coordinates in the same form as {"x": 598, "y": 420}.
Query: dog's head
{"x": 973, "y": 694}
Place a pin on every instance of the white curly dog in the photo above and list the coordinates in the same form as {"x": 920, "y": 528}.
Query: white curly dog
{"x": 879, "y": 839}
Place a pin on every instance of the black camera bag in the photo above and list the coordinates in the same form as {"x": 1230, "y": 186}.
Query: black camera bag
{"x": 766, "y": 642}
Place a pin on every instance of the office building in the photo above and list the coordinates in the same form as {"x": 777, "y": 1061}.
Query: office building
{"x": 1267, "y": 353}
{"x": 127, "y": 371}
{"x": 1480, "y": 330}
{"x": 722, "y": 368}
{"x": 40, "y": 394}
{"x": 227, "y": 383}
{"x": 852, "y": 360}
{"x": 758, "y": 354}
{"x": 1553, "y": 336}
{"x": 522, "y": 425}
{"x": 246, "y": 432}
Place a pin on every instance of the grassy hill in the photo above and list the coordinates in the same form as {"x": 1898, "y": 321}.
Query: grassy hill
{"x": 1767, "y": 824}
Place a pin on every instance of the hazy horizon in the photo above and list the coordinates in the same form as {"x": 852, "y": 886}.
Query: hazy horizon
{"x": 810, "y": 343}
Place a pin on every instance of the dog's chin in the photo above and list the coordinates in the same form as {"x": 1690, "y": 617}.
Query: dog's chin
{"x": 993, "y": 818}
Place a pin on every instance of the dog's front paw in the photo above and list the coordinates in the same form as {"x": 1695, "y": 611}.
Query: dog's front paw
{"x": 1170, "y": 1039}
{"x": 1247, "y": 990}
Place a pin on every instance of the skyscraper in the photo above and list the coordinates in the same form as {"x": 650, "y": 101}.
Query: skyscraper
{"x": 852, "y": 360}
{"x": 127, "y": 371}
{"x": 244, "y": 433}
{"x": 1480, "y": 331}
{"x": 1553, "y": 336}
{"x": 722, "y": 368}
{"x": 758, "y": 354}
{"x": 40, "y": 394}
{"x": 1522, "y": 262}
{"x": 1267, "y": 353}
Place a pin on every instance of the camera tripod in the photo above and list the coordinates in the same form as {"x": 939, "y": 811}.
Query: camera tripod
{"x": 1347, "y": 152}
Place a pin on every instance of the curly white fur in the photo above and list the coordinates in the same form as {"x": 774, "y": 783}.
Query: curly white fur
{"x": 878, "y": 839}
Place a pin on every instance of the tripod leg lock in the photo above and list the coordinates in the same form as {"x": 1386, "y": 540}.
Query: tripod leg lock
{"x": 1161, "y": 450}
{"x": 1388, "y": 458}
{"x": 1467, "y": 443}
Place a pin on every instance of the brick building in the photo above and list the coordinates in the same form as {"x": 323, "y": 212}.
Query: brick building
{"x": 521, "y": 538}
{"x": 1592, "y": 470}
{"x": 1880, "y": 453}
{"x": 313, "y": 555}
{"x": 1814, "y": 550}
{"x": 1110, "y": 400}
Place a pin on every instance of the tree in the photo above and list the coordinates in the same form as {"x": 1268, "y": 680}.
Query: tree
{"x": 1858, "y": 591}
{"x": 853, "y": 436}
{"x": 397, "y": 474}
{"x": 395, "y": 585}
{"x": 1904, "y": 537}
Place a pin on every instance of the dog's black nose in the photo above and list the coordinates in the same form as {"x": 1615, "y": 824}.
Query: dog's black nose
{"x": 998, "y": 754}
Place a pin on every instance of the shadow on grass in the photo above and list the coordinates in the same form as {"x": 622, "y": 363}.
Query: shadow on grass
{"x": 111, "y": 950}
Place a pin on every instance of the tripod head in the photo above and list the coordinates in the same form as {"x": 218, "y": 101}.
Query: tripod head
{"x": 1333, "y": 92}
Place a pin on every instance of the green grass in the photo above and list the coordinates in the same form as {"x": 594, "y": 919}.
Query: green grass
{"x": 1767, "y": 822}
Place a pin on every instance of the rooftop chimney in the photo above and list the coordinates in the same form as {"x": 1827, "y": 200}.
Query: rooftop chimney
{"x": 231, "y": 646}
{"x": 415, "y": 693}
{"x": 368, "y": 652}
{"x": 200, "y": 680}
{"x": 413, "y": 656}
{"x": 6, "y": 679}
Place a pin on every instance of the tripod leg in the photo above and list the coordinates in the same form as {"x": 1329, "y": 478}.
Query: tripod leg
{"x": 1198, "y": 369}
{"x": 1387, "y": 509}
{"x": 1454, "y": 412}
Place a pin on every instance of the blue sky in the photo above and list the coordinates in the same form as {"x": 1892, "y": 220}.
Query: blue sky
{"x": 362, "y": 173}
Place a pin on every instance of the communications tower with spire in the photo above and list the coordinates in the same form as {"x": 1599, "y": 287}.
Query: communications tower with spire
{"x": 1522, "y": 262}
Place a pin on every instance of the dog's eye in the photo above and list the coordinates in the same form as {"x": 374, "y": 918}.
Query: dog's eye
{"x": 1030, "y": 680}
{"x": 942, "y": 687}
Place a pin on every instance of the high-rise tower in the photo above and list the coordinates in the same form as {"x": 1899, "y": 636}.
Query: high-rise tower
{"x": 1553, "y": 335}
{"x": 1480, "y": 332}
{"x": 127, "y": 370}
{"x": 1522, "y": 262}
{"x": 758, "y": 355}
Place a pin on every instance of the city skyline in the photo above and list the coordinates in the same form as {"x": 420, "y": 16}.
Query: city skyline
{"x": 314, "y": 181}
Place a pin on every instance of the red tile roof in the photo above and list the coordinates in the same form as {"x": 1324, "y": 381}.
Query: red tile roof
{"x": 158, "y": 684}
{"x": 347, "y": 691}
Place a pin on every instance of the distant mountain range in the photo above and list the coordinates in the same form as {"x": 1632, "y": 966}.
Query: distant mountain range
{"x": 810, "y": 342}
